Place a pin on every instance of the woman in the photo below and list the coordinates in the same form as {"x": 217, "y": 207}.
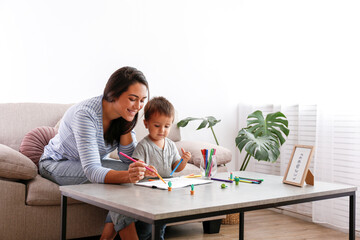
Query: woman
{"x": 95, "y": 127}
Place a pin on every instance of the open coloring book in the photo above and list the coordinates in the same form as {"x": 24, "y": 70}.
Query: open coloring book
{"x": 177, "y": 182}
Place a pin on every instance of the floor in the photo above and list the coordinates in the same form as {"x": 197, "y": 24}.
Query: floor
{"x": 260, "y": 224}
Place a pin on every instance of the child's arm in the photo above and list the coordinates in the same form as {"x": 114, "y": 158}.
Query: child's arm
{"x": 185, "y": 157}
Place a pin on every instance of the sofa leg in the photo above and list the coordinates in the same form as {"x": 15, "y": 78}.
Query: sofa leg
{"x": 212, "y": 226}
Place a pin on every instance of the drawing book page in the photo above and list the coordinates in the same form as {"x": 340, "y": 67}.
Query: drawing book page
{"x": 178, "y": 182}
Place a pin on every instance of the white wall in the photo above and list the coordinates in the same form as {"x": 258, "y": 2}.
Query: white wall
{"x": 205, "y": 56}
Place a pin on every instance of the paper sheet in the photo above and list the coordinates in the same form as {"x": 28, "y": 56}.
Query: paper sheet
{"x": 178, "y": 182}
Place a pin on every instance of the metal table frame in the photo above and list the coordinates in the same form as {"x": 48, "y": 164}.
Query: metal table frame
{"x": 157, "y": 223}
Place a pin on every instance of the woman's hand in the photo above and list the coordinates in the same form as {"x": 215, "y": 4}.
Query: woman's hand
{"x": 136, "y": 171}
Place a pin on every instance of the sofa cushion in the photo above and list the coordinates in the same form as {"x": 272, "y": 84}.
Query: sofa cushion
{"x": 57, "y": 125}
{"x": 223, "y": 155}
{"x": 41, "y": 192}
{"x": 14, "y": 165}
{"x": 189, "y": 169}
{"x": 34, "y": 142}
{"x": 17, "y": 119}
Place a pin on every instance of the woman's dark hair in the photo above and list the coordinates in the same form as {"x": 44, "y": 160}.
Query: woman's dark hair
{"x": 117, "y": 84}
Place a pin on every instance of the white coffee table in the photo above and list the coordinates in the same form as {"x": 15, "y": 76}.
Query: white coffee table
{"x": 159, "y": 207}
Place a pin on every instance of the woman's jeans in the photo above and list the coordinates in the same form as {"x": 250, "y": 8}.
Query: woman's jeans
{"x": 69, "y": 172}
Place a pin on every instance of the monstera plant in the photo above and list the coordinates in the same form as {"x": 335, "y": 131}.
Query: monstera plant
{"x": 263, "y": 137}
{"x": 209, "y": 121}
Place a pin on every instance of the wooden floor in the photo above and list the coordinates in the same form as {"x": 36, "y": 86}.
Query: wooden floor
{"x": 261, "y": 224}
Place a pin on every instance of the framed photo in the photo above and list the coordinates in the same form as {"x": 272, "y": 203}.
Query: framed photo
{"x": 298, "y": 167}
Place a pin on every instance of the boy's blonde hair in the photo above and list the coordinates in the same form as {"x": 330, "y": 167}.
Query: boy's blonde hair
{"x": 159, "y": 105}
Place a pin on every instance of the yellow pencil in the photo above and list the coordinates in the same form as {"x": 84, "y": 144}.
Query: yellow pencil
{"x": 160, "y": 177}
{"x": 192, "y": 176}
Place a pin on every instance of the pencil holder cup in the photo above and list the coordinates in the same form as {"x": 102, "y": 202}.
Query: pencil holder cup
{"x": 208, "y": 168}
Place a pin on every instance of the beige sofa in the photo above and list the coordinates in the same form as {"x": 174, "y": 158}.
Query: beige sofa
{"x": 30, "y": 204}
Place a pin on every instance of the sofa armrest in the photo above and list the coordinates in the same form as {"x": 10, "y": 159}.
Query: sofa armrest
{"x": 223, "y": 155}
{"x": 14, "y": 165}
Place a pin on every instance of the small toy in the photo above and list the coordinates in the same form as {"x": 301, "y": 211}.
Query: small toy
{"x": 169, "y": 184}
{"x": 231, "y": 176}
{"x": 223, "y": 186}
{"x": 192, "y": 189}
{"x": 237, "y": 180}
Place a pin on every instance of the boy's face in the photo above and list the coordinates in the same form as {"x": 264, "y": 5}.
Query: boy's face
{"x": 159, "y": 126}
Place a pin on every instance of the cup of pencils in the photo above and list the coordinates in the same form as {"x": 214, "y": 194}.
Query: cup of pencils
{"x": 208, "y": 164}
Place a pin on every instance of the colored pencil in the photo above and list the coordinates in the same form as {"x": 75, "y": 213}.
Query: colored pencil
{"x": 246, "y": 181}
{"x": 176, "y": 167}
{"x": 251, "y": 179}
{"x": 128, "y": 157}
{"x": 214, "y": 151}
{"x": 207, "y": 172}
{"x": 203, "y": 153}
{"x": 192, "y": 176}
{"x": 206, "y": 159}
{"x": 221, "y": 180}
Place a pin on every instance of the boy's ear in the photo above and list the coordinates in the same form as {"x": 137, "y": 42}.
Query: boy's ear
{"x": 146, "y": 124}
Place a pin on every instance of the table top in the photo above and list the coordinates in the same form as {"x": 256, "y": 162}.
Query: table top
{"x": 157, "y": 204}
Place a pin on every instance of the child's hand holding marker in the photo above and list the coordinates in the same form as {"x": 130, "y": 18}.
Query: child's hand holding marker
{"x": 180, "y": 165}
{"x": 149, "y": 173}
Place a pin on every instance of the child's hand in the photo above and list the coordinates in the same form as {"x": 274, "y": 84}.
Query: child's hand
{"x": 185, "y": 156}
{"x": 149, "y": 173}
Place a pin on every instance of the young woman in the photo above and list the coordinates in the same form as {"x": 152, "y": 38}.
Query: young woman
{"x": 95, "y": 127}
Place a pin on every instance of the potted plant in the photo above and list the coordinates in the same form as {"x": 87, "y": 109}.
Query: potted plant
{"x": 263, "y": 137}
{"x": 209, "y": 121}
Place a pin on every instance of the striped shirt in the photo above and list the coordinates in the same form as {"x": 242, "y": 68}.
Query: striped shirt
{"x": 81, "y": 138}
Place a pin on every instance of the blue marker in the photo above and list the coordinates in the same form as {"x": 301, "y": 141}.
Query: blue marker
{"x": 176, "y": 167}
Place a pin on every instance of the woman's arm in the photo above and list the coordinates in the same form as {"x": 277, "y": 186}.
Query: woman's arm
{"x": 127, "y": 145}
{"x": 126, "y": 139}
{"x": 84, "y": 127}
{"x": 135, "y": 173}
{"x": 136, "y": 170}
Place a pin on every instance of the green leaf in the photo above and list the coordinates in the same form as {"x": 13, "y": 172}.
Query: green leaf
{"x": 265, "y": 148}
{"x": 209, "y": 121}
{"x": 212, "y": 121}
{"x": 185, "y": 121}
{"x": 202, "y": 124}
{"x": 274, "y": 124}
{"x": 263, "y": 137}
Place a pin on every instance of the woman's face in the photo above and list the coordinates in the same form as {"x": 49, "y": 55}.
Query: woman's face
{"x": 131, "y": 102}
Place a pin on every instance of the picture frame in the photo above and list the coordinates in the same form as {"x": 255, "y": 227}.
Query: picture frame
{"x": 297, "y": 171}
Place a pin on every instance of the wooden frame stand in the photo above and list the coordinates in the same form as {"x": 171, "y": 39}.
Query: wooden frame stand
{"x": 309, "y": 179}
{"x": 297, "y": 171}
